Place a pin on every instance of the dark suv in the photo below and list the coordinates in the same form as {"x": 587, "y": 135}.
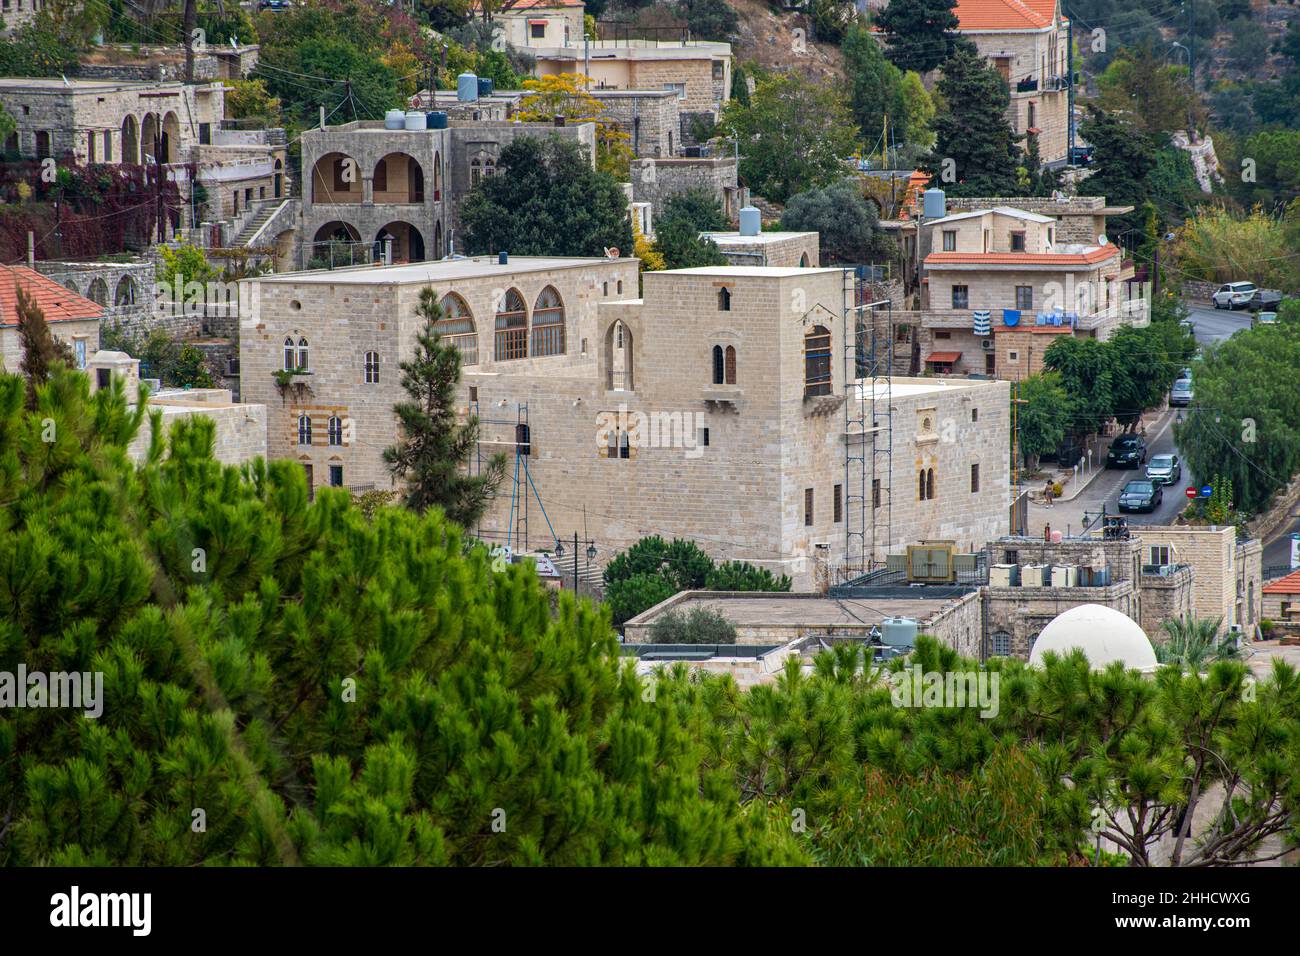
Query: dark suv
{"x": 1126, "y": 451}
{"x": 1265, "y": 299}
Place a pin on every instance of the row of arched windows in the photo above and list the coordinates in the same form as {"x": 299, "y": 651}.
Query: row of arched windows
{"x": 512, "y": 327}
{"x": 97, "y": 291}
{"x": 333, "y": 430}
{"x": 925, "y": 485}
{"x": 724, "y": 365}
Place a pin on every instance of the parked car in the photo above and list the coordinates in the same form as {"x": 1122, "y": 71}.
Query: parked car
{"x": 1165, "y": 470}
{"x": 1233, "y": 295}
{"x": 1140, "y": 496}
{"x": 1181, "y": 395}
{"x": 1081, "y": 156}
{"x": 1126, "y": 451}
{"x": 1267, "y": 299}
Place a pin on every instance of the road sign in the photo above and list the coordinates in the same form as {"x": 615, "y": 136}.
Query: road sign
{"x": 1206, "y": 491}
{"x": 1191, "y": 492}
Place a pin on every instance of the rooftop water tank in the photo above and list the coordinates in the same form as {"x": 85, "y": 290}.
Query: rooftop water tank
{"x": 467, "y": 87}
{"x": 485, "y": 86}
{"x": 934, "y": 202}
{"x": 415, "y": 120}
{"x": 751, "y": 221}
{"x": 394, "y": 119}
{"x": 898, "y": 632}
{"x": 437, "y": 120}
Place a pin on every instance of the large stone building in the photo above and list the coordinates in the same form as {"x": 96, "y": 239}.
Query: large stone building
{"x": 1229, "y": 572}
{"x": 344, "y": 332}
{"x": 377, "y": 188}
{"x": 1027, "y": 42}
{"x": 1001, "y": 284}
{"x": 761, "y": 248}
{"x": 73, "y": 319}
{"x": 538, "y": 23}
{"x": 179, "y": 125}
{"x": 16, "y": 14}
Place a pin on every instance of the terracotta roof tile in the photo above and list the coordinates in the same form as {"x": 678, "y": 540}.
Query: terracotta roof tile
{"x": 58, "y": 304}
{"x": 1005, "y": 14}
{"x": 1287, "y": 585}
{"x": 1100, "y": 254}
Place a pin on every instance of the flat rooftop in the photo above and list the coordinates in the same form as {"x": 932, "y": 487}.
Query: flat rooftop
{"x": 771, "y": 609}
{"x": 742, "y": 272}
{"x": 436, "y": 270}
{"x": 898, "y": 387}
{"x": 34, "y": 84}
{"x": 736, "y": 239}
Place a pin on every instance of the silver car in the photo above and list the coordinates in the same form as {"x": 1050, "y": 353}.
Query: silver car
{"x": 1165, "y": 470}
{"x": 1233, "y": 295}
{"x": 1181, "y": 394}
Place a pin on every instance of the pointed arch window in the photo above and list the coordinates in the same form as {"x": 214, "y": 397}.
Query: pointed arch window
{"x": 817, "y": 361}
{"x": 512, "y": 327}
{"x": 290, "y": 355}
{"x": 372, "y": 368}
{"x": 457, "y": 327}
{"x": 303, "y": 363}
{"x": 729, "y": 371}
{"x": 718, "y": 363}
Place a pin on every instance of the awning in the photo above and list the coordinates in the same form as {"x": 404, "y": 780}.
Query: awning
{"x": 945, "y": 357}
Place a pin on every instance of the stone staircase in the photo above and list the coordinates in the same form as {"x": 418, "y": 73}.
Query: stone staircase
{"x": 265, "y": 211}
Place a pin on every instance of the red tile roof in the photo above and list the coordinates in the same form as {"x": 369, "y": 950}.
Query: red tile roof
{"x": 531, "y": 5}
{"x": 1287, "y": 585}
{"x": 1100, "y": 254}
{"x": 944, "y": 357}
{"x": 979, "y": 15}
{"x": 58, "y": 304}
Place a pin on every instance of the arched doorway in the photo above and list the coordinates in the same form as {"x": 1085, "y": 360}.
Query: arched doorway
{"x": 336, "y": 244}
{"x": 279, "y": 179}
{"x": 150, "y": 148}
{"x": 125, "y": 292}
{"x": 171, "y": 138}
{"x": 408, "y": 243}
{"x": 130, "y": 141}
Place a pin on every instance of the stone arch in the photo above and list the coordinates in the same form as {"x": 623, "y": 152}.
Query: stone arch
{"x": 511, "y": 321}
{"x": 458, "y": 328}
{"x": 279, "y": 178}
{"x": 336, "y": 178}
{"x": 437, "y": 177}
{"x": 130, "y": 140}
{"x": 334, "y": 232}
{"x": 149, "y": 134}
{"x": 171, "y": 138}
{"x": 98, "y": 291}
{"x": 398, "y": 178}
{"x": 124, "y": 294}
{"x": 71, "y": 286}
{"x": 619, "y": 356}
{"x": 803, "y": 261}
{"x": 548, "y": 323}
{"x": 408, "y": 242}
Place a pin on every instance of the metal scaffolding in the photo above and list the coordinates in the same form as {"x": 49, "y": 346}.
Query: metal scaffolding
{"x": 521, "y": 477}
{"x": 868, "y": 374}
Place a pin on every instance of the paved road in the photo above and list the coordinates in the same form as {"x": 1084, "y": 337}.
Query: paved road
{"x": 1215, "y": 325}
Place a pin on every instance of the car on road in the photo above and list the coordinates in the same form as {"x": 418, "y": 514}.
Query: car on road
{"x": 1233, "y": 295}
{"x": 1140, "y": 495}
{"x": 1126, "y": 451}
{"x": 1165, "y": 470}
{"x": 1181, "y": 395}
{"x": 1265, "y": 299}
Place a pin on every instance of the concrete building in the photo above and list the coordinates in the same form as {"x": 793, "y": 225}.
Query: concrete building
{"x": 344, "y": 332}
{"x": 1000, "y": 285}
{"x": 16, "y": 14}
{"x": 132, "y": 122}
{"x": 1027, "y": 42}
{"x": 530, "y": 24}
{"x": 364, "y": 184}
{"x": 72, "y": 318}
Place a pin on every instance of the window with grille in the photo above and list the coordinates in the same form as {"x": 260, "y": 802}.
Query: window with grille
{"x": 960, "y": 297}
{"x": 456, "y": 327}
{"x": 730, "y": 365}
{"x": 974, "y": 479}
{"x": 512, "y": 328}
{"x": 807, "y": 507}
{"x": 335, "y": 430}
{"x": 1000, "y": 644}
{"x": 817, "y": 361}
{"x": 837, "y": 502}
{"x": 336, "y": 476}
{"x": 548, "y": 323}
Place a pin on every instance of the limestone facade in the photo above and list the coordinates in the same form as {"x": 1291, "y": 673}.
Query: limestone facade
{"x": 655, "y": 181}
{"x": 784, "y": 249}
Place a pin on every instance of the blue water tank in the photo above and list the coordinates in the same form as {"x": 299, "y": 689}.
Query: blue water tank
{"x": 934, "y": 202}
{"x": 467, "y": 88}
{"x": 485, "y": 86}
{"x": 503, "y": 258}
{"x": 751, "y": 221}
{"x": 437, "y": 120}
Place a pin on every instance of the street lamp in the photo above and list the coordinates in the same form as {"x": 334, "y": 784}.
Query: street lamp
{"x": 591, "y": 556}
{"x": 1178, "y": 46}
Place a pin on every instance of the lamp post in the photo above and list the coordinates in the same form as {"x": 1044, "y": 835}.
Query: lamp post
{"x": 591, "y": 556}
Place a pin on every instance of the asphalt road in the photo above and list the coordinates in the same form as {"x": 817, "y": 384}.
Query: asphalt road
{"x": 1215, "y": 325}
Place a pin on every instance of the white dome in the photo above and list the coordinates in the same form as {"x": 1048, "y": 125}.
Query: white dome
{"x": 1103, "y": 634}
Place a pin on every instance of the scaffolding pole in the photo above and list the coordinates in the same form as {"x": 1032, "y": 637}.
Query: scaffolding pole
{"x": 868, "y": 373}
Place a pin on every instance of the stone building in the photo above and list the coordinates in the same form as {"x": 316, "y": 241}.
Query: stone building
{"x": 369, "y": 186}
{"x": 783, "y": 249}
{"x": 1229, "y": 574}
{"x": 125, "y": 289}
{"x": 1027, "y": 42}
{"x": 698, "y": 71}
{"x": 1281, "y": 599}
{"x": 655, "y": 181}
{"x": 177, "y": 124}
{"x": 219, "y": 58}
{"x": 72, "y": 318}
{"x": 344, "y": 333}
{"x": 539, "y": 23}
{"x": 16, "y": 14}
{"x": 1000, "y": 285}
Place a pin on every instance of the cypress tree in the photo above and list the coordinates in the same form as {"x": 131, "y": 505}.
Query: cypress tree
{"x": 972, "y": 131}
{"x": 41, "y": 350}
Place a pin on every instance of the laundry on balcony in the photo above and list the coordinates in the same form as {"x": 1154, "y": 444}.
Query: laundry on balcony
{"x": 1010, "y": 318}
{"x": 982, "y": 324}
{"x": 1058, "y": 319}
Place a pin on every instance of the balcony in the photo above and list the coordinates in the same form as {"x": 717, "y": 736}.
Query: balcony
{"x": 1026, "y": 86}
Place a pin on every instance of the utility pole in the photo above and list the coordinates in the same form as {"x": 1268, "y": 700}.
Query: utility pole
{"x": 1069, "y": 121}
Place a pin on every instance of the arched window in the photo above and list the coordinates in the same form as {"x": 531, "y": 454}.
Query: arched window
{"x": 724, "y": 299}
{"x": 929, "y": 484}
{"x": 717, "y": 365}
{"x": 380, "y": 183}
{"x": 548, "y": 323}
{"x": 303, "y": 364}
{"x": 304, "y": 429}
{"x": 730, "y": 377}
{"x": 125, "y": 294}
{"x": 290, "y": 355}
{"x": 817, "y": 361}
{"x": 512, "y": 327}
{"x": 372, "y": 368}
{"x": 98, "y": 291}
{"x": 920, "y": 486}
{"x": 335, "y": 430}
{"x": 624, "y": 448}
{"x": 71, "y": 287}
{"x": 457, "y": 327}
{"x": 480, "y": 168}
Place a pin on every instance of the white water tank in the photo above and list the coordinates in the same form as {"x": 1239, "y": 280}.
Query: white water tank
{"x": 1065, "y": 576}
{"x": 394, "y": 119}
{"x": 751, "y": 221}
{"x": 467, "y": 88}
{"x": 416, "y": 120}
{"x": 898, "y": 632}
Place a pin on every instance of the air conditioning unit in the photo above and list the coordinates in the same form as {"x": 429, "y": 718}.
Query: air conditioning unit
{"x": 930, "y": 562}
{"x": 1034, "y": 575}
{"x": 987, "y": 345}
{"x": 1004, "y": 575}
{"x": 1065, "y": 576}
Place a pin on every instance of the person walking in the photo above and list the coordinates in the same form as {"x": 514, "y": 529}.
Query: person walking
{"x": 1048, "y": 493}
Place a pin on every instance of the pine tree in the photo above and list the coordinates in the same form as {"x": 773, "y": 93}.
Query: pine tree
{"x": 41, "y": 350}
{"x": 921, "y": 34}
{"x": 974, "y": 152}
{"x": 434, "y": 449}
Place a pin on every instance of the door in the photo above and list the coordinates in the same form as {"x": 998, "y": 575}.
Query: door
{"x": 989, "y": 363}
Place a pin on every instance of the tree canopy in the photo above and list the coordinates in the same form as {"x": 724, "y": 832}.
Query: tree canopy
{"x": 975, "y": 151}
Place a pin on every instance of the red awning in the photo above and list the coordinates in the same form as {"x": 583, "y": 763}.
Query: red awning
{"x": 945, "y": 357}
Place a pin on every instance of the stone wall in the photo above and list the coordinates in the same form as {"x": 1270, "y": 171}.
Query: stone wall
{"x": 657, "y": 180}
{"x": 1165, "y": 597}
{"x": 1211, "y": 553}
{"x": 1022, "y": 612}
{"x": 240, "y": 429}
{"x": 651, "y": 118}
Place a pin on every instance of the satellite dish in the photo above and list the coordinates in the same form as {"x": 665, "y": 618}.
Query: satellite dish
{"x": 1102, "y": 240}
{"x": 612, "y": 252}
